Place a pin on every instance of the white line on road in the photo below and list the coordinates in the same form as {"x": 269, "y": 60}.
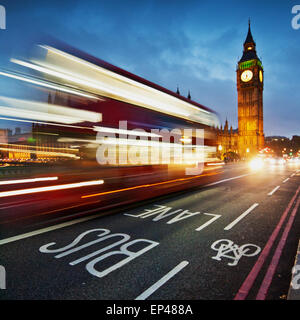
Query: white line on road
{"x": 243, "y": 215}
{"x": 162, "y": 281}
{"x": 287, "y": 179}
{"x": 273, "y": 191}
{"x": 292, "y": 175}
{"x": 55, "y": 227}
{"x": 217, "y": 182}
{"x": 215, "y": 217}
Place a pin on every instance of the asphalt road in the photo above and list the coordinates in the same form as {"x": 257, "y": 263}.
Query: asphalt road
{"x": 233, "y": 237}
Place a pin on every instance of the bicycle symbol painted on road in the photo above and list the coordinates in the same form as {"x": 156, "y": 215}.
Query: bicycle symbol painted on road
{"x": 227, "y": 249}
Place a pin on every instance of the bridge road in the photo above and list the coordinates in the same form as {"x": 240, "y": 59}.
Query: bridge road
{"x": 233, "y": 238}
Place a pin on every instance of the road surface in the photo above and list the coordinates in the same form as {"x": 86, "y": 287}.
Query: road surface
{"x": 233, "y": 237}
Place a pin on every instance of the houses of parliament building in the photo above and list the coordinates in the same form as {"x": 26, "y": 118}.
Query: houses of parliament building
{"x": 248, "y": 139}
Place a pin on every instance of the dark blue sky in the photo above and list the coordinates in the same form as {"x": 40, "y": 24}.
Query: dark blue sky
{"x": 193, "y": 44}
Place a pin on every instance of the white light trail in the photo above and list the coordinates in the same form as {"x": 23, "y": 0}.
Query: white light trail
{"x": 50, "y": 188}
{"x": 27, "y": 180}
{"x": 101, "y": 81}
{"x": 45, "y": 123}
{"x": 46, "y": 112}
{"x": 127, "y": 132}
{"x": 47, "y": 85}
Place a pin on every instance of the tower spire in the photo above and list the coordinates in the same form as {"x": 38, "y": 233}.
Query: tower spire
{"x": 249, "y": 38}
{"x": 249, "y": 46}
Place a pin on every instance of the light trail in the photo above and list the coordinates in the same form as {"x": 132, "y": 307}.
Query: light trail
{"x": 47, "y": 85}
{"x": 146, "y": 185}
{"x": 27, "y": 180}
{"x": 50, "y": 188}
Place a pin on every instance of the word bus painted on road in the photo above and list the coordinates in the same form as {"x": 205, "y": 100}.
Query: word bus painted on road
{"x": 101, "y": 235}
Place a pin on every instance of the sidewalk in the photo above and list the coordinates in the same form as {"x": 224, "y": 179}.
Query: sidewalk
{"x": 294, "y": 291}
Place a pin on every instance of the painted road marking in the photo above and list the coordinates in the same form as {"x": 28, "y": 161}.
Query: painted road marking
{"x": 273, "y": 191}
{"x": 295, "y": 283}
{"x": 262, "y": 293}
{"x": 227, "y": 249}
{"x": 287, "y": 179}
{"x": 162, "y": 281}
{"x": 248, "y": 283}
{"x": 215, "y": 217}
{"x": 2, "y": 278}
{"x": 243, "y": 215}
{"x": 102, "y": 235}
{"x": 233, "y": 178}
{"x": 162, "y": 212}
{"x": 55, "y": 227}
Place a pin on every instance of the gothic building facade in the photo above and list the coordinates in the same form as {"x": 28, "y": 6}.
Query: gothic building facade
{"x": 248, "y": 139}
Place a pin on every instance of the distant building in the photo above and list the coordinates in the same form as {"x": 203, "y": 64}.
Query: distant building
{"x": 228, "y": 139}
{"x": 248, "y": 139}
{"x": 3, "y": 135}
{"x": 283, "y": 146}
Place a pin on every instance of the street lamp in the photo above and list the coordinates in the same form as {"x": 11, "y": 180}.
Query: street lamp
{"x": 220, "y": 148}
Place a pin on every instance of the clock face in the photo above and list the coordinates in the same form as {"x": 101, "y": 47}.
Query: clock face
{"x": 260, "y": 76}
{"x": 247, "y": 75}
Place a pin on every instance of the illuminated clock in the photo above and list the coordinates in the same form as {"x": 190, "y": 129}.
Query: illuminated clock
{"x": 260, "y": 76}
{"x": 247, "y": 75}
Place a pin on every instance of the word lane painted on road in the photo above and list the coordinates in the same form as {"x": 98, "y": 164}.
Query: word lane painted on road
{"x": 163, "y": 212}
{"x": 102, "y": 253}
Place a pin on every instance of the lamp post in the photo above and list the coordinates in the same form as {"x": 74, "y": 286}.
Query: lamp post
{"x": 220, "y": 148}
{"x": 247, "y": 153}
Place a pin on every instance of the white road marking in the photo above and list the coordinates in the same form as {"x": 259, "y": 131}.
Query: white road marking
{"x": 163, "y": 212}
{"x": 215, "y": 217}
{"x": 162, "y": 281}
{"x": 243, "y": 215}
{"x": 292, "y": 175}
{"x": 273, "y": 191}
{"x": 104, "y": 235}
{"x": 287, "y": 179}
{"x": 44, "y": 230}
{"x": 227, "y": 249}
{"x": 233, "y": 178}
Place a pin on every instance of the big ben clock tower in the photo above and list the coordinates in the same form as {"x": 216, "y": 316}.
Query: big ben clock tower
{"x": 250, "y": 84}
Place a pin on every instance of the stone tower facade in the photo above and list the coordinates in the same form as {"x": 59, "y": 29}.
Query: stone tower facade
{"x": 248, "y": 139}
{"x": 250, "y": 85}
